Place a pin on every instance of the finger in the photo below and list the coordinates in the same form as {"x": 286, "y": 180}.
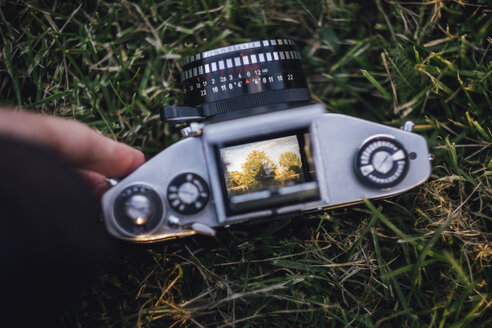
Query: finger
{"x": 97, "y": 182}
{"x": 82, "y": 146}
{"x": 89, "y": 150}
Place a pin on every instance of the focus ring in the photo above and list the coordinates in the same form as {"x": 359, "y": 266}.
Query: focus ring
{"x": 214, "y": 78}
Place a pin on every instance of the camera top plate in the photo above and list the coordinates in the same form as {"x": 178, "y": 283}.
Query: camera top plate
{"x": 194, "y": 171}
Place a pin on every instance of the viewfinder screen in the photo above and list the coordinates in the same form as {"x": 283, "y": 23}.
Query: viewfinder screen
{"x": 262, "y": 165}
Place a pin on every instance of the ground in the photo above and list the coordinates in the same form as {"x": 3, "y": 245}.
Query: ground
{"x": 418, "y": 259}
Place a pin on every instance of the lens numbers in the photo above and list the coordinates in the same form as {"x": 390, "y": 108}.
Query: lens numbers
{"x": 237, "y": 80}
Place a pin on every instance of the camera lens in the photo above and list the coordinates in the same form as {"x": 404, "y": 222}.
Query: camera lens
{"x": 250, "y": 75}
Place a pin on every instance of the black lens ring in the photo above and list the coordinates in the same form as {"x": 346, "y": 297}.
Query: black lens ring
{"x": 246, "y": 75}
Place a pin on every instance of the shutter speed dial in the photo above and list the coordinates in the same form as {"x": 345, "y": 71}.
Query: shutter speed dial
{"x": 187, "y": 193}
{"x": 381, "y": 162}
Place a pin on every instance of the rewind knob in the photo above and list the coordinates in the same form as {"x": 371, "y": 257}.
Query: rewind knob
{"x": 381, "y": 162}
{"x": 138, "y": 210}
{"x": 187, "y": 193}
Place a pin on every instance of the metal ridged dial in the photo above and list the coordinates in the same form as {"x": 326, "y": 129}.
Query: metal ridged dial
{"x": 381, "y": 162}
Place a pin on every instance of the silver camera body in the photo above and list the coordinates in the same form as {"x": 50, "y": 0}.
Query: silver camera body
{"x": 257, "y": 147}
{"x": 190, "y": 174}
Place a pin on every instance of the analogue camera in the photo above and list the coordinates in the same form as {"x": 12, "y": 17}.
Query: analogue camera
{"x": 256, "y": 147}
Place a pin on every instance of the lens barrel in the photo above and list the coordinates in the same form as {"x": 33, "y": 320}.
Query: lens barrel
{"x": 239, "y": 77}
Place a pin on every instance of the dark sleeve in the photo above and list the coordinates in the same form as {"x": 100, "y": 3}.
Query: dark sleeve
{"x": 52, "y": 240}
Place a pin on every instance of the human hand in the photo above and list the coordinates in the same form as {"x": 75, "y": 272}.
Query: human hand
{"x": 92, "y": 154}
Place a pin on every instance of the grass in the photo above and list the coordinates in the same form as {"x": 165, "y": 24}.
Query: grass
{"x": 420, "y": 259}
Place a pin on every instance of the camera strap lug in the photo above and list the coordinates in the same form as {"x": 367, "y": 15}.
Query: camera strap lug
{"x": 408, "y": 126}
{"x": 112, "y": 182}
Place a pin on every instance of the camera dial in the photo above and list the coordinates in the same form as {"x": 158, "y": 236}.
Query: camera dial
{"x": 226, "y": 82}
{"x": 187, "y": 193}
{"x": 138, "y": 210}
{"x": 381, "y": 162}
